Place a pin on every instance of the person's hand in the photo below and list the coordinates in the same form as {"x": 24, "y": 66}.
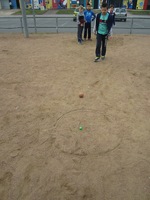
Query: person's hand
{"x": 109, "y": 37}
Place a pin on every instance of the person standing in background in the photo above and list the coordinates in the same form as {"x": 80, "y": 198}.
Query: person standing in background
{"x": 112, "y": 13}
{"x": 103, "y": 25}
{"x": 81, "y": 22}
{"x": 89, "y": 17}
{"x": 10, "y": 4}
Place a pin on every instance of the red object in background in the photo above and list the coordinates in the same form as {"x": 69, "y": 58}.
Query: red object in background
{"x": 55, "y": 4}
{"x": 43, "y": 3}
{"x": 145, "y": 4}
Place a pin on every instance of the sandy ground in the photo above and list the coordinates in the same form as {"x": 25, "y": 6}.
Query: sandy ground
{"x": 43, "y": 153}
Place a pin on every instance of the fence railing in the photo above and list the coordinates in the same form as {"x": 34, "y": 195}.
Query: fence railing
{"x": 55, "y": 25}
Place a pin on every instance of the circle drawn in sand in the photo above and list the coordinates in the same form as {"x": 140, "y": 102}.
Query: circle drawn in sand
{"x": 100, "y": 133}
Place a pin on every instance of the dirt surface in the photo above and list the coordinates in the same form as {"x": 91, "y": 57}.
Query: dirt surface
{"x": 6, "y": 13}
{"x": 43, "y": 153}
{"x": 51, "y": 12}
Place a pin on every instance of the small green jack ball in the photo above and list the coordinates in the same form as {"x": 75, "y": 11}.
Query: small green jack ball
{"x": 81, "y": 128}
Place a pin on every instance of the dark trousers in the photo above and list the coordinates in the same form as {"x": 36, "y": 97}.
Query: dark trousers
{"x": 87, "y": 28}
{"x": 101, "y": 42}
{"x": 79, "y": 33}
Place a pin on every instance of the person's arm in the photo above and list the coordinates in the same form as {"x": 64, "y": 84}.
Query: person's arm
{"x": 93, "y": 16}
{"x": 96, "y": 23}
{"x": 114, "y": 19}
{"x": 84, "y": 19}
{"x": 85, "y": 15}
{"x": 94, "y": 27}
{"x": 78, "y": 19}
{"x": 109, "y": 23}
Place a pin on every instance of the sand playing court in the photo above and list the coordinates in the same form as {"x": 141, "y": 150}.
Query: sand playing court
{"x": 43, "y": 153}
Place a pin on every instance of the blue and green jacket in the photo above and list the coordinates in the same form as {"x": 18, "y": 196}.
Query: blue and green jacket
{"x": 109, "y": 22}
{"x": 89, "y": 16}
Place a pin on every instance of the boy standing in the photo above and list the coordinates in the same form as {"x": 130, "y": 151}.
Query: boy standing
{"x": 104, "y": 23}
{"x": 111, "y": 11}
{"x": 89, "y": 17}
{"x": 80, "y": 21}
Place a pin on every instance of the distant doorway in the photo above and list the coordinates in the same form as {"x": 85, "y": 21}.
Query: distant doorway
{"x": 95, "y": 4}
{"x": 18, "y": 4}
